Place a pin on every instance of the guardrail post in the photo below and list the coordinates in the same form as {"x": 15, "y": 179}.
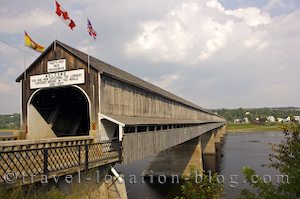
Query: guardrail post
{"x": 120, "y": 151}
{"x": 79, "y": 155}
{"x": 86, "y": 157}
{"x": 45, "y": 161}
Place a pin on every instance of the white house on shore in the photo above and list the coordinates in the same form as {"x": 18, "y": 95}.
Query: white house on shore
{"x": 287, "y": 119}
{"x": 241, "y": 121}
{"x": 279, "y": 119}
{"x": 271, "y": 119}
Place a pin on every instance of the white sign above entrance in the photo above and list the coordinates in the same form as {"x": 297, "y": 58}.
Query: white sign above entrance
{"x": 56, "y": 65}
{"x": 57, "y": 79}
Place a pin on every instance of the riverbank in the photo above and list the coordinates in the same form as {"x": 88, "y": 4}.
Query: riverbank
{"x": 9, "y": 130}
{"x": 253, "y": 127}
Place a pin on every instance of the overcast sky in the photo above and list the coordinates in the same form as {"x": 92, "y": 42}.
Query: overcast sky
{"x": 215, "y": 53}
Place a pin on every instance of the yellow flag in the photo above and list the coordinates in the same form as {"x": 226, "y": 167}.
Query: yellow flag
{"x": 30, "y": 43}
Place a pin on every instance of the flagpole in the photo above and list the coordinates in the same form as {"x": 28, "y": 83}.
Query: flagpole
{"x": 88, "y": 62}
{"x": 55, "y": 24}
{"x": 24, "y": 56}
{"x": 21, "y": 105}
{"x": 55, "y": 28}
{"x": 88, "y": 55}
{"x": 93, "y": 34}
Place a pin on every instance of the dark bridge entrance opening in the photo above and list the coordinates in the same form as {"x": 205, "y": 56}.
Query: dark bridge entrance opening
{"x": 65, "y": 109}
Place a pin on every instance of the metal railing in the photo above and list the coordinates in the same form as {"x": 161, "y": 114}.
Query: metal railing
{"x": 54, "y": 157}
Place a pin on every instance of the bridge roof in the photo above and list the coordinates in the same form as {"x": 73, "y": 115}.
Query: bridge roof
{"x": 127, "y": 121}
{"x": 118, "y": 74}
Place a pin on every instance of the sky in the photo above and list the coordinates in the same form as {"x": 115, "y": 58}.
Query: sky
{"x": 215, "y": 53}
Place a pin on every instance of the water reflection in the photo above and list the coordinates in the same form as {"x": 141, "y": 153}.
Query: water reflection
{"x": 149, "y": 187}
{"x": 236, "y": 151}
{"x": 6, "y": 133}
{"x": 210, "y": 163}
{"x": 246, "y": 149}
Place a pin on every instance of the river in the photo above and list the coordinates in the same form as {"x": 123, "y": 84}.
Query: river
{"x": 237, "y": 150}
{"x": 6, "y": 133}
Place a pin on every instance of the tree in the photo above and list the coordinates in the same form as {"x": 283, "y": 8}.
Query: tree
{"x": 206, "y": 188}
{"x": 285, "y": 157}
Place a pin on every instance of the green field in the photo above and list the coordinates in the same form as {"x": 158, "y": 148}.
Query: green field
{"x": 253, "y": 127}
{"x": 9, "y": 130}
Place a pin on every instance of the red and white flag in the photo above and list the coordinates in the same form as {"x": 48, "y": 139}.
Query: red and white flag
{"x": 64, "y": 15}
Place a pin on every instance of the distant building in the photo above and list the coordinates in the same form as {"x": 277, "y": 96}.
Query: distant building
{"x": 297, "y": 118}
{"x": 288, "y": 119}
{"x": 237, "y": 121}
{"x": 279, "y": 119}
{"x": 246, "y": 120}
{"x": 271, "y": 118}
{"x": 247, "y": 113}
{"x": 241, "y": 121}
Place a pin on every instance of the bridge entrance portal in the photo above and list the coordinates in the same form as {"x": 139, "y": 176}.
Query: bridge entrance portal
{"x": 61, "y": 111}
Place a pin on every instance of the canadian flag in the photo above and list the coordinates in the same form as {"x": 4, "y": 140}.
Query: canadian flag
{"x": 64, "y": 16}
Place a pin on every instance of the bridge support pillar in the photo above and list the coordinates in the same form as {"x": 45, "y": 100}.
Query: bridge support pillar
{"x": 219, "y": 134}
{"x": 208, "y": 145}
{"x": 177, "y": 161}
{"x": 223, "y": 129}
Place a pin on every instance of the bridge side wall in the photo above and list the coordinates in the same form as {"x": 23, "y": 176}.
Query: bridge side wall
{"x": 140, "y": 145}
{"x": 119, "y": 98}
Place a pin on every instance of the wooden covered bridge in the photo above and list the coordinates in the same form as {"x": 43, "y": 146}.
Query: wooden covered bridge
{"x": 79, "y": 112}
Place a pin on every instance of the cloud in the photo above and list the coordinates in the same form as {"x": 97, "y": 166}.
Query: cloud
{"x": 273, "y": 4}
{"x": 85, "y": 46}
{"x": 252, "y": 16}
{"x": 14, "y": 22}
{"x": 165, "y": 81}
{"x": 256, "y": 43}
{"x": 234, "y": 56}
{"x": 195, "y": 31}
{"x": 216, "y": 55}
{"x": 4, "y": 87}
{"x": 218, "y": 41}
{"x": 169, "y": 38}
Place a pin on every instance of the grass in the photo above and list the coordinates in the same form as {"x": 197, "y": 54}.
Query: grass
{"x": 253, "y": 127}
{"x": 30, "y": 192}
{"x": 9, "y": 130}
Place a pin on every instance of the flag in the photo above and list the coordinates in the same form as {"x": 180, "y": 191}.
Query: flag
{"x": 90, "y": 29}
{"x": 64, "y": 15}
{"x": 30, "y": 43}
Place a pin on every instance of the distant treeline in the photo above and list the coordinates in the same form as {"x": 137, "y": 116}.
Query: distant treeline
{"x": 10, "y": 121}
{"x": 13, "y": 121}
{"x": 253, "y": 113}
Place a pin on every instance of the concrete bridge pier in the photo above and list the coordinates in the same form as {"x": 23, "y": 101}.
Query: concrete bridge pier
{"x": 219, "y": 134}
{"x": 199, "y": 153}
{"x": 209, "y": 151}
{"x": 177, "y": 161}
{"x": 208, "y": 146}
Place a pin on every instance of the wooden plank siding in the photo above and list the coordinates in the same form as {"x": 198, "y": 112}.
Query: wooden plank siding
{"x": 137, "y": 146}
{"x": 119, "y": 98}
